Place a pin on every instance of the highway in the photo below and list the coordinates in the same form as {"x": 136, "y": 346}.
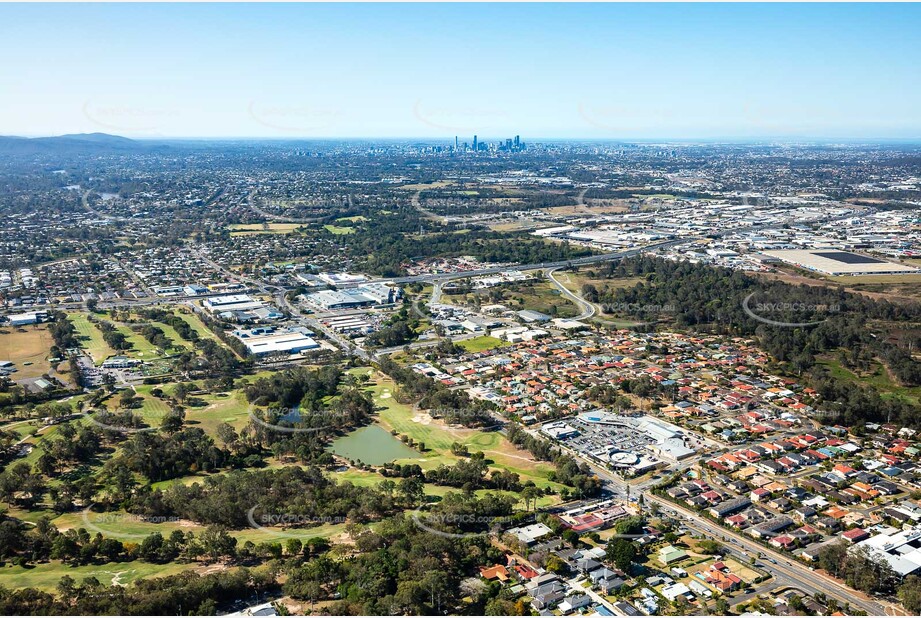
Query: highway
{"x": 492, "y": 270}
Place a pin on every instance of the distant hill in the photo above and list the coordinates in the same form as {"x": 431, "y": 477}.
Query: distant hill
{"x": 70, "y": 144}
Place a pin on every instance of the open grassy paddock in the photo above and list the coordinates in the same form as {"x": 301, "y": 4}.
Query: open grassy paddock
{"x": 28, "y": 347}
{"x": 878, "y": 378}
{"x": 480, "y": 344}
{"x": 339, "y": 230}
{"x": 245, "y": 229}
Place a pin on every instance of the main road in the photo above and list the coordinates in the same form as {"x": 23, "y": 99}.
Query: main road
{"x": 492, "y": 270}
{"x": 805, "y": 578}
{"x": 788, "y": 571}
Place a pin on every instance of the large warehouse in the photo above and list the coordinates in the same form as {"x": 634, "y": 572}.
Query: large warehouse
{"x": 362, "y": 296}
{"x": 836, "y": 262}
{"x": 268, "y": 341}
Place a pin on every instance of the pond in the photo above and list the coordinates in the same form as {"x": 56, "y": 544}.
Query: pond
{"x": 372, "y": 445}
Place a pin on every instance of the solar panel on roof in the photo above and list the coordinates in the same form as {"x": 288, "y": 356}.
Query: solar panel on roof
{"x": 846, "y": 258}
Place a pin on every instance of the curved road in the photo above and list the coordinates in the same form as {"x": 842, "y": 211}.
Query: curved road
{"x": 588, "y": 309}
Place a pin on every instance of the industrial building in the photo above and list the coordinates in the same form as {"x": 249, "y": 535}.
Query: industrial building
{"x": 901, "y": 549}
{"x": 23, "y": 319}
{"x": 365, "y": 295}
{"x": 268, "y": 341}
{"x": 231, "y": 302}
{"x": 241, "y": 308}
{"x": 835, "y": 262}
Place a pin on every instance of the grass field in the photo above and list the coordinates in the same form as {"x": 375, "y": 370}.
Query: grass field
{"x": 355, "y": 219}
{"x": 339, "y": 230}
{"x": 244, "y": 229}
{"x": 230, "y": 408}
{"x": 140, "y": 347}
{"x": 197, "y": 325}
{"x": 91, "y": 338}
{"x": 46, "y": 576}
{"x": 480, "y": 344}
{"x": 28, "y": 344}
{"x": 545, "y": 298}
{"x": 178, "y": 342}
{"x": 878, "y": 378}
{"x": 540, "y": 296}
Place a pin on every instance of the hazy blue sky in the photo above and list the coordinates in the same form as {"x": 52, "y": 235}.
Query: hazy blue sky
{"x": 385, "y": 70}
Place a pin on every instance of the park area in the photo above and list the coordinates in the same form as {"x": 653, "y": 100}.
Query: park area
{"x": 438, "y": 437}
{"x": 28, "y": 348}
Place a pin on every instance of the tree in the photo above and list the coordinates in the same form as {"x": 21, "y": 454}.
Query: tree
{"x": 555, "y": 564}
{"x": 293, "y": 547}
{"x": 621, "y": 552}
{"x": 217, "y": 542}
{"x": 630, "y": 525}
{"x": 910, "y": 594}
{"x": 412, "y": 489}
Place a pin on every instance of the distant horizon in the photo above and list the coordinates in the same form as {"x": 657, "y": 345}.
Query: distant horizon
{"x": 485, "y": 138}
{"x": 383, "y": 71}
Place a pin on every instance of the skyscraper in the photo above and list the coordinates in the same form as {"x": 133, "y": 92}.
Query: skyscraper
{"x": 474, "y": 144}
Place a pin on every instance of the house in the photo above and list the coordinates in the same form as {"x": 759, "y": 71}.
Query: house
{"x": 650, "y": 601}
{"x": 497, "y": 572}
{"x": 855, "y": 535}
{"x": 587, "y": 565}
{"x": 607, "y": 580}
{"x": 699, "y": 589}
{"x": 574, "y": 602}
{"x": 548, "y": 595}
{"x": 720, "y": 577}
{"x": 783, "y": 541}
{"x": 673, "y": 591}
{"x": 670, "y": 554}
{"x": 626, "y": 609}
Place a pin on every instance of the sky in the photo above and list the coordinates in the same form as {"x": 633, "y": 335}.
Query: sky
{"x": 581, "y": 71}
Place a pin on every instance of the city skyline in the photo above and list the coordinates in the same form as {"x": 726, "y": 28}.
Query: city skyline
{"x": 432, "y": 72}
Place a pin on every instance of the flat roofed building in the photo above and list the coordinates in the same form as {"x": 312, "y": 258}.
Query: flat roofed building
{"x": 341, "y": 278}
{"x": 232, "y": 302}
{"x": 531, "y": 534}
{"x": 362, "y": 296}
{"x": 833, "y": 262}
{"x": 265, "y": 341}
{"x": 901, "y": 549}
{"x": 23, "y": 319}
